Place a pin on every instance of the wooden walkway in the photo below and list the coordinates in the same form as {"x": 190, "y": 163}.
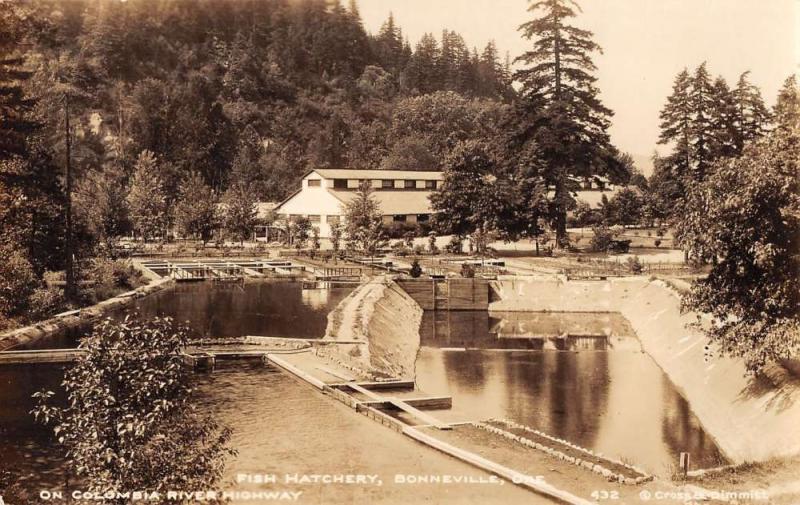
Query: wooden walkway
{"x": 223, "y": 270}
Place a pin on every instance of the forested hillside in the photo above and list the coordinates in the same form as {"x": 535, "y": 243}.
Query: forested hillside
{"x": 260, "y": 90}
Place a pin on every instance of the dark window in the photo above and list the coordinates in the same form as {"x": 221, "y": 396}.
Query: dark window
{"x": 387, "y": 184}
{"x": 340, "y": 184}
{"x": 422, "y": 218}
{"x": 430, "y": 184}
{"x": 333, "y": 220}
{"x": 409, "y": 184}
{"x": 314, "y": 183}
{"x": 399, "y": 218}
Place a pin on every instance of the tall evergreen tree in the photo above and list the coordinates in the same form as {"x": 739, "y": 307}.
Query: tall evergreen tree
{"x": 787, "y": 106}
{"x": 723, "y": 120}
{"x": 676, "y": 119}
{"x": 389, "y": 48}
{"x": 751, "y": 115}
{"x": 701, "y": 100}
{"x": 422, "y": 72}
{"x": 560, "y": 109}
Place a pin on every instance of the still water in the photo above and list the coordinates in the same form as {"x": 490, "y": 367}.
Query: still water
{"x": 594, "y": 387}
{"x": 263, "y": 308}
{"x": 280, "y": 426}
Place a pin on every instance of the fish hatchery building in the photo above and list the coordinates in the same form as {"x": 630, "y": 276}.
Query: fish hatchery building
{"x": 402, "y": 195}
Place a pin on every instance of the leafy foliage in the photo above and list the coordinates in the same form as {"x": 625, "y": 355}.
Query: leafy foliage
{"x": 148, "y": 197}
{"x": 745, "y": 221}
{"x": 130, "y": 422}
{"x": 197, "y": 213}
{"x": 363, "y": 223}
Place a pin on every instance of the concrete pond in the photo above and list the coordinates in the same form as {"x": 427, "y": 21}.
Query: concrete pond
{"x": 583, "y": 378}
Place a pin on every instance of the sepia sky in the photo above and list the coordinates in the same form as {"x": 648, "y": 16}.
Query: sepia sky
{"x": 645, "y": 42}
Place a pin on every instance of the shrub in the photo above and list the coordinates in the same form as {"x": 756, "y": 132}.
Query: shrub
{"x": 634, "y": 265}
{"x": 432, "y": 248}
{"x": 455, "y": 245}
{"x": 657, "y": 242}
{"x": 133, "y": 393}
{"x": 45, "y": 302}
{"x": 601, "y": 238}
{"x": 399, "y": 248}
{"x": 416, "y": 269}
{"x": 401, "y": 229}
{"x": 419, "y": 249}
{"x": 17, "y": 282}
{"x": 467, "y": 270}
{"x": 108, "y": 278}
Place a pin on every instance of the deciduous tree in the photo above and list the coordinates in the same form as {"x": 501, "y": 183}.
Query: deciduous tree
{"x": 131, "y": 392}
{"x": 745, "y": 221}
{"x": 147, "y": 198}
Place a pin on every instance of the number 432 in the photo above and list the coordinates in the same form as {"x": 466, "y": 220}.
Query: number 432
{"x": 597, "y": 495}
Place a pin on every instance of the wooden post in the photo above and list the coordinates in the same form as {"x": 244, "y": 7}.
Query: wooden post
{"x": 684, "y": 464}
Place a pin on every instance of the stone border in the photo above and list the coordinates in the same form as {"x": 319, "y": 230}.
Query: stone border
{"x": 76, "y": 318}
{"x": 595, "y": 467}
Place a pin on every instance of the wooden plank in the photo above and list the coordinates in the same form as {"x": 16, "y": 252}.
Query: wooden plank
{"x": 382, "y": 385}
{"x": 41, "y": 356}
{"x": 423, "y": 402}
{"x": 282, "y": 363}
{"x": 422, "y": 416}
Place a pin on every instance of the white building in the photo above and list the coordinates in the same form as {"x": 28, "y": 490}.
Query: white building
{"x": 403, "y": 195}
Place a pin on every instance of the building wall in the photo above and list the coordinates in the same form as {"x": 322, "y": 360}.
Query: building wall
{"x": 313, "y": 201}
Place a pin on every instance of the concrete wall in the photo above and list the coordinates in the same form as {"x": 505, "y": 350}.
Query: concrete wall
{"x": 386, "y": 320}
{"x": 748, "y": 421}
{"x": 77, "y": 318}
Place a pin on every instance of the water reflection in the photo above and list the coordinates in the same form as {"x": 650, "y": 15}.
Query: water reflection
{"x": 279, "y": 426}
{"x": 275, "y": 309}
{"x": 265, "y": 308}
{"x": 603, "y": 393}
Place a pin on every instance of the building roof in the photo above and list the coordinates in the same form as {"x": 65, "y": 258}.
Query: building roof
{"x": 594, "y": 196}
{"x": 345, "y": 173}
{"x": 394, "y": 202}
{"x": 263, "y": 209}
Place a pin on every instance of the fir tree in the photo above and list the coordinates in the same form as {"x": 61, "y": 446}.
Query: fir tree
{"x": 724, "y": 120}
{"x": 560, "y": 110}
{"x": 751, "y": 115}
{"x": 422, "y": 72}
{"x": 787, "y": 106}
{"x": 702, "y": 128}
{"x": 676, "y": 118}
{"x": 389, "y": 46}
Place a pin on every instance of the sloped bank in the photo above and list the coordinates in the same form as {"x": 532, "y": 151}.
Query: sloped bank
{"x": 77, "y": 318}
{"x": 749, "y": 423}
{"x": 385, "y": 321}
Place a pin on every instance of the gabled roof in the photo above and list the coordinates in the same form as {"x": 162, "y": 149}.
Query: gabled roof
{"x": 347, "y": 173}
{"x": 394, "y": 202}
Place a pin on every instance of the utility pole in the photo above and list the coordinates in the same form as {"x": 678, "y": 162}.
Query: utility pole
{"x": 69, "y": 291}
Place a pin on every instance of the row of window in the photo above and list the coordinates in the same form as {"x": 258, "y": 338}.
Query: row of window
{"x": 385, "y": 184}
{"x": 316, "y": 218}
{"x": 332, "y": 220}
